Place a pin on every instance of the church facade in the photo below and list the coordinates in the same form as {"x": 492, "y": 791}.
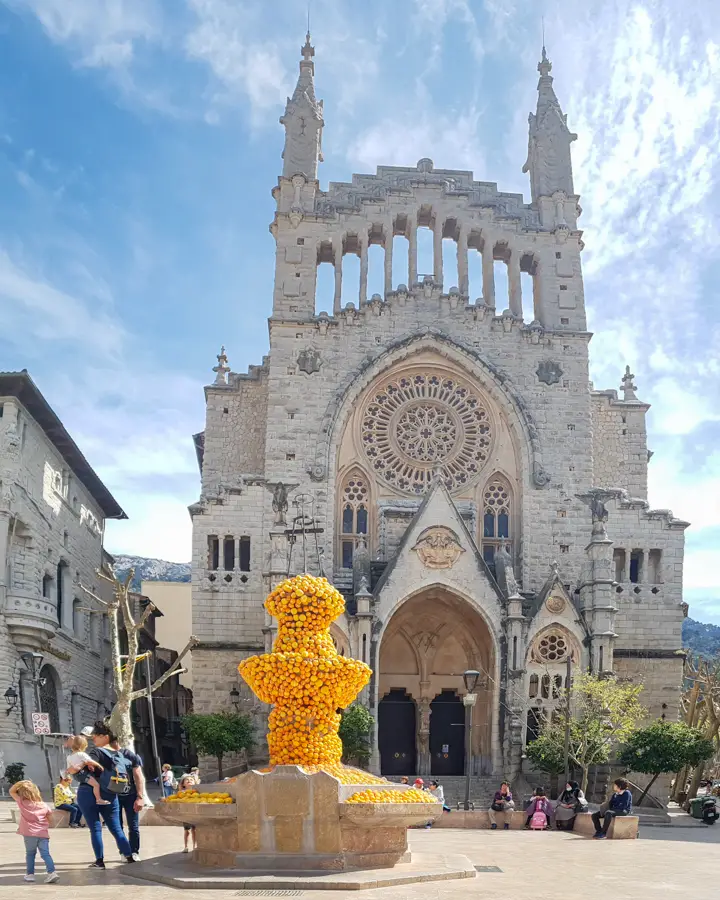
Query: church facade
{"x": 443, "y": 460}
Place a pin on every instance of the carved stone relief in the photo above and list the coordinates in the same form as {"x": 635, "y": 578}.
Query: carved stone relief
{"x": 549, "y": 372}
{"x": 438, "y": 548}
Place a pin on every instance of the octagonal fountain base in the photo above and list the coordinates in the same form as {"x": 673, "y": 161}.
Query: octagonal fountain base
{"x": 291, "y": 827}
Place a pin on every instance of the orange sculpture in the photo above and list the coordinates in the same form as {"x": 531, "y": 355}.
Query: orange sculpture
{"x": 304, "y": 678}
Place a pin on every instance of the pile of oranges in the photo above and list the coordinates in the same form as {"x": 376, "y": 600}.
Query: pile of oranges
{"x": 411, "y": 796}
{"x": 304, "y": 677}
{"x": 192, "y": 796}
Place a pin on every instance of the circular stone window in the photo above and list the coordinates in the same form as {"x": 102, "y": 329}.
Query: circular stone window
{"x": 419, "y": 424}
{"x": 552, "y": 647}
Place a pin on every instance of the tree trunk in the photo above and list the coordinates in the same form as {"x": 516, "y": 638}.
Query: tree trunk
{"x": 647, "y": 788}
{"x": 220, "y": 768}
{"x": 585, "y": 777}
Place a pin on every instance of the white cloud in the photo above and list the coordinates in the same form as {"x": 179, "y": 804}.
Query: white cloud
{"x": 451, "y": 141}
{"x": 103, "y": 31}
{"x": 32, "y": 309}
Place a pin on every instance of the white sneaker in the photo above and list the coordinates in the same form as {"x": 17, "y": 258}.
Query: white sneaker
{"x": 29, "y": 878}
{"x": 136, "y": 857}
{"x": 51, "y": 878}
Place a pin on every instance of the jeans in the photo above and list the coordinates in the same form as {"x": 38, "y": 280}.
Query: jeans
{"x": 110, "y": 815}
{"x": 607, "y": 822}
{"x": 132, "y": 819}
{"x": 167, "y": 789}
{"x": 32, "y": 846}
{"x": 74, "y": 810}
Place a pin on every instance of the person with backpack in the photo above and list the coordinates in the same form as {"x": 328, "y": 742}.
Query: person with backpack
{"x": 539, "y": 812}
{"x": 115, "y": 780}
{"x": 134, "y": 801}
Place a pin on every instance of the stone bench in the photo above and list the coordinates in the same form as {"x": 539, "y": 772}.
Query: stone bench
{"x": 622, "y": 828}
{"x": 59, "y": 818}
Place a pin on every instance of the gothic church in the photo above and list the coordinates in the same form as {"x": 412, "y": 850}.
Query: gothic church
{"x": 443, "y": 459}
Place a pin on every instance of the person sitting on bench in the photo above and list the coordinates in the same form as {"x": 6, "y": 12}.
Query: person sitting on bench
{"x": 620, "y": 804}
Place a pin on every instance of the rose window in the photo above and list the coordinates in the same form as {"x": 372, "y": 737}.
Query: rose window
{"x": 552, "y": 647}
{"x": 418, "y": 425}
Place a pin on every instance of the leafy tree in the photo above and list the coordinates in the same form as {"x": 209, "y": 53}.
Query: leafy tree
{"x": 15, "y": 772}
{"x": 664, "y": 747}
{"x": 604, "y": 712}
{"x": 547, "y": 753}
{"x": 355, "y": 727}
{"x": 218, "y": 734}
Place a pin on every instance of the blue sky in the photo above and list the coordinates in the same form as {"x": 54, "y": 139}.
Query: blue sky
{"x": 139, "y": 143}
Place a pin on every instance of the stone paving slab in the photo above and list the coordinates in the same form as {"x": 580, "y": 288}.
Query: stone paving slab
{"x": 664, "y": 863}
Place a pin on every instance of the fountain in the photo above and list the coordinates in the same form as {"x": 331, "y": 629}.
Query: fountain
{"x": 306, "y": 813}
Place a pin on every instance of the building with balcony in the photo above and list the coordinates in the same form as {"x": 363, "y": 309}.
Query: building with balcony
{"x": 53, "y": 509}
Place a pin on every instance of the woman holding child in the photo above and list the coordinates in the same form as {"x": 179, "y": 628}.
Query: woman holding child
{"x": 108, "y": 766}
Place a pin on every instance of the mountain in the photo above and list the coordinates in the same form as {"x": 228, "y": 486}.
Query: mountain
{"x": 701, "y": 638}
{"x": 151, "y": 569}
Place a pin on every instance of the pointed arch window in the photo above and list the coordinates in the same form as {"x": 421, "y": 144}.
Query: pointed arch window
{"x": 354, "y": 516}
{"x": 496, "y": 521}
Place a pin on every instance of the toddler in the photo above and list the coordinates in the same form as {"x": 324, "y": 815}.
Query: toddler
{"x": 79, "y": 759}
{"x": 34, "y": 821}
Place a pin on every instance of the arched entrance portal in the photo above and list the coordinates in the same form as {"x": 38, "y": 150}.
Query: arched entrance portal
{"x": 427, "y": 645}
{"x": 396, "y": 724}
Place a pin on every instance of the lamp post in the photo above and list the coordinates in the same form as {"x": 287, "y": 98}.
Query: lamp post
{"x": 235, "y": 698}
{"x": 33, "y": 663}
{"x": 568, "y": 689}
{"x": 470, "y": 679}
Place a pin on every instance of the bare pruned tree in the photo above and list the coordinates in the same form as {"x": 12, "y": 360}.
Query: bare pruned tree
{"x": 121, "y": 614}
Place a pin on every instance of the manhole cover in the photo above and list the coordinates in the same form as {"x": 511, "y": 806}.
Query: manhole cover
{"x": 488, "y": 869}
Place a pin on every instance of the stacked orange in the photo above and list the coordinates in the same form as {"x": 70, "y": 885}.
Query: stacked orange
{"x": 304, "y": 677}
{"x": 410, "y": 796}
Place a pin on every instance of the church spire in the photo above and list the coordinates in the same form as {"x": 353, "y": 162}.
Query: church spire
{"x": 548, "y": 161}
{"x": 303, "y": 121}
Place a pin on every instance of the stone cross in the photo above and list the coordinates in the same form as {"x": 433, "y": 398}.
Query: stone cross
{"x": 222, "y": 368}
{"x": 627, "y": 387}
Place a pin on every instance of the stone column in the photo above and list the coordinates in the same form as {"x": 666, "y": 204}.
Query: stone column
{"x": 388, "y": 258}
{"x": 462, "y": 262}
{"x": 488, "y": 272}
{"x": 422, "y": 739}
{"x": 363, "y": 269}
{"x": 437, "y": 252}
{"x": 412, "y": 251}
{"x": 4, "y": 529}
{"x": 365, "y": 617}
{"x": 337, "y": 264}
{"x": 514, "y": 283}
{"x": 598, "y": 599}
{"x": 515, "y": 694}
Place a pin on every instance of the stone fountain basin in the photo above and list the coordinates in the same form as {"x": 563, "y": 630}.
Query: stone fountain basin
{"x": 197, "y": 813}
{"x": 389, "y": 815}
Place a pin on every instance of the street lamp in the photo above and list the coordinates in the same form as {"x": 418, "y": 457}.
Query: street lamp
{"x": 33, "y": 663}
{"x": 235, "y": 698}
{"x": 470, "y": 679}
{"x": 11, "y": 698}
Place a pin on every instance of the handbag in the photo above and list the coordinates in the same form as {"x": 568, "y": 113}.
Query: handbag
{"x": 497, "y": 807}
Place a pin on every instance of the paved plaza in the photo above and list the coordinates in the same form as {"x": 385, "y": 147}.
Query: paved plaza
{"x": 664, "y": 863}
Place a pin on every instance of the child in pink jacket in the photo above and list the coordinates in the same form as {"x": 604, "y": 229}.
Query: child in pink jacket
{"x": 34, "y": 822}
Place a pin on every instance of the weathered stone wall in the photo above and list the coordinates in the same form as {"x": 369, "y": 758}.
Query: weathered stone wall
{"x": 620, "y": 453}
{"x": 52, "y": 519}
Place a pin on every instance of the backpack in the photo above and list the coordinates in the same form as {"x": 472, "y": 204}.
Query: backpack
{"x": 539, "y": 821}
{"x": 116, "y": 777}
